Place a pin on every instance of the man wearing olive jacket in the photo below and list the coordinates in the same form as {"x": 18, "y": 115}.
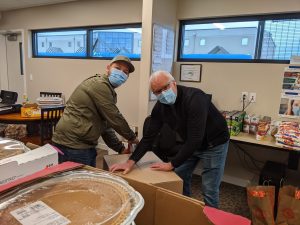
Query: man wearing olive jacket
{"x": 197, "y": 129}
{"x": 91, "y": 112}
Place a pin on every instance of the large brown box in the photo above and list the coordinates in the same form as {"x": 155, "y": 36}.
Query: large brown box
{"x": 143, "y": 173}
{"x": 165, "y": 207}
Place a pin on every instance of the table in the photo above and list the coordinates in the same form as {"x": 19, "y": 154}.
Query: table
{"x": 270, "y": 143}
{"x": 15, "y": 118}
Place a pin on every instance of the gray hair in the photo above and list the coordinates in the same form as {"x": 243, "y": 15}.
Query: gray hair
{"x": 156, "y": 74}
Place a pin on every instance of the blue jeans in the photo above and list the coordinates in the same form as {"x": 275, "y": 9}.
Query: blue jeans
{"x": 213, "y": 162}
{"x": 83, "y": 156}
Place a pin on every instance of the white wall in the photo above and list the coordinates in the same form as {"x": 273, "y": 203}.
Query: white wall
{"x": 64, "y": 75}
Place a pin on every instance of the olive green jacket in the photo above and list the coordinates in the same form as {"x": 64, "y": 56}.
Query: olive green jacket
{"x": 91, "y": 112}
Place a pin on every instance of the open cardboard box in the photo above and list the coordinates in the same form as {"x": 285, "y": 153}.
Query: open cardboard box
{"x": 143, "y": 173}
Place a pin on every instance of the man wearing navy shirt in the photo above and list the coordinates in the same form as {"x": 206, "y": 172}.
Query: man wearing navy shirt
{"x": 198, "y": 132}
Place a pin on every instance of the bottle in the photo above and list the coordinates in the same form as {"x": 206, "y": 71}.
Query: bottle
{"x": 25, "y": 99}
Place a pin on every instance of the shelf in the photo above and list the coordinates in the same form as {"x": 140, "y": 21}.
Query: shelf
{"x": 234, "y": 174}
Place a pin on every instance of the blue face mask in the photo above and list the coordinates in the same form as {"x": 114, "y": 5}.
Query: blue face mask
{"x": 117, "y": 77}
{"x": 167, "y": 97}
{"x": 296, "y": 110}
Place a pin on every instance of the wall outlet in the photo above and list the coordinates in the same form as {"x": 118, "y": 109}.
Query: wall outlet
{"x": 252, "y": 97}
{"x": 244, "y": 96}
{"x": 30, "y": 76}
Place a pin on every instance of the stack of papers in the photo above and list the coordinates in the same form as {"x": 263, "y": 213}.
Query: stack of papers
{"x": 49, "y": 101}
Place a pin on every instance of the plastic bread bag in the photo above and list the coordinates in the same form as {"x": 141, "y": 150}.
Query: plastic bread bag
{"x": 10, "y": 147}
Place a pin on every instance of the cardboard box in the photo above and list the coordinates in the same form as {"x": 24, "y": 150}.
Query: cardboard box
{"x": 27, "y": 163}
{"x": 143, "y": 173}
{"x": 30, "y": 110}
{"x": 164, "y": 207}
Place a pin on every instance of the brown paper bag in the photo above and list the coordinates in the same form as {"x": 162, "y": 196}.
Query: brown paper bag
{"x": 261, "y": 204}
{"x": 288, "y": 206}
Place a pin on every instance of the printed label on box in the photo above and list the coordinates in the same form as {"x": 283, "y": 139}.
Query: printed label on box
{"x": 38, "y": 213}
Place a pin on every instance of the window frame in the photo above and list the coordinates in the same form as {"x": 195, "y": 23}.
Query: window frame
{"x": 258, "y": 46}
{"x": 89, "y": 39}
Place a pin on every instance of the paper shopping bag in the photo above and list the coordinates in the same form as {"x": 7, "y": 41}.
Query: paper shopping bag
{"x": 288, "y": 206}
{"x": 261, "y": 204}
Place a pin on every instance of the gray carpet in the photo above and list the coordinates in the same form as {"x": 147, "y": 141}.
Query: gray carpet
{"x": 232, "y": 198}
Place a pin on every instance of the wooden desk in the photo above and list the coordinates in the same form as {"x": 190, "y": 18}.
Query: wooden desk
{"x": 15, "y": 118}
{"x": 251, "y": 139}
{"x": 270, "y": 143}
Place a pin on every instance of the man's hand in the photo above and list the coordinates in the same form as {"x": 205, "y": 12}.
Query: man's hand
{"x": 126, "y": 167}
{"x": 162, "y": 166}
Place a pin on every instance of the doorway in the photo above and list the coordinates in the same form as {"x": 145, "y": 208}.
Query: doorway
{"x": 12, "y": 77}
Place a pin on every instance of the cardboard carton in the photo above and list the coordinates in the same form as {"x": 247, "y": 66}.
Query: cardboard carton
{"x": 27, "y": 163}
{"x": 143, "y": 173}
{"x": 237, "y": 123}
{"x": 30, "y": 110}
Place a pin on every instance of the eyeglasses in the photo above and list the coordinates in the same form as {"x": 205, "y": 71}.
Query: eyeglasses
{"x": 166, "y": 87}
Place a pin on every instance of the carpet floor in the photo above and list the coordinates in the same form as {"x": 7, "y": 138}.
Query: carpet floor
{"x": 232, "y": 198}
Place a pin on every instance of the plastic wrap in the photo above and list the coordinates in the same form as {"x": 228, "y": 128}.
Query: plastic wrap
{"x": 10, "y": 147}
{"x": 80, "y": 197}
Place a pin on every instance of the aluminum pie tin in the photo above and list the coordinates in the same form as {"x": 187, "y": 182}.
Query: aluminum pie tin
{"x": 10, "y": 147}
{"x": 75, "y": 197}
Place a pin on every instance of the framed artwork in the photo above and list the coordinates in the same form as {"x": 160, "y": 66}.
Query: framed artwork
{"x": 190, "y": 72}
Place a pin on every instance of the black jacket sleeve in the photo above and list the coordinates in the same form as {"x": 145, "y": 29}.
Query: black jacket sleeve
{"x": 197, "y": 110}
{"x": 112, "y": 141}
{"x": 149, "y": 135}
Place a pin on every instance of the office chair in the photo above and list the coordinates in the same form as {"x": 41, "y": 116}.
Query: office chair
{"x": 49, "y": 118}
{"x": 50, "y": 94}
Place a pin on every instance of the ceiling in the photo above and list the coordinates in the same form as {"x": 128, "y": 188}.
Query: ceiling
{"x": 6, "y": 5}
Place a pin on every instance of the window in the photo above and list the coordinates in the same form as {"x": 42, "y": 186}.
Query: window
{"x": 281, "y": 39}
{"x": 186, "y": 42}
{"x": 202, "y": 42}
{"x": 99, "y": 42}
{"x": 269, "y": 38}
{"x": 245, "y": 41}
{"x": 59, "y": 43}
{"x": 112, "y": 42}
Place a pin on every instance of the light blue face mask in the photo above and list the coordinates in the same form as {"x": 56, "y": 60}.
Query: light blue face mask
{"x": 117, "y": 77}
{"x": 167, "y": 97}
{"x": 296, "y": 110}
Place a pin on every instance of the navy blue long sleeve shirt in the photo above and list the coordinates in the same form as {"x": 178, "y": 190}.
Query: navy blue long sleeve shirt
{"x": 194, "y": 117}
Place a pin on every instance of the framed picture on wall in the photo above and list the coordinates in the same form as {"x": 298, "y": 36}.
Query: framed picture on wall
{"x": 190, "y": 72}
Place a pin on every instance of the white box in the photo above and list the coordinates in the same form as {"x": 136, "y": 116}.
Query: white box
{"x": 25, "y": 164}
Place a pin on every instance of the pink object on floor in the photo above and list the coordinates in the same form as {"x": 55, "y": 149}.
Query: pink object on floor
{"x": 219, "y": 217}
